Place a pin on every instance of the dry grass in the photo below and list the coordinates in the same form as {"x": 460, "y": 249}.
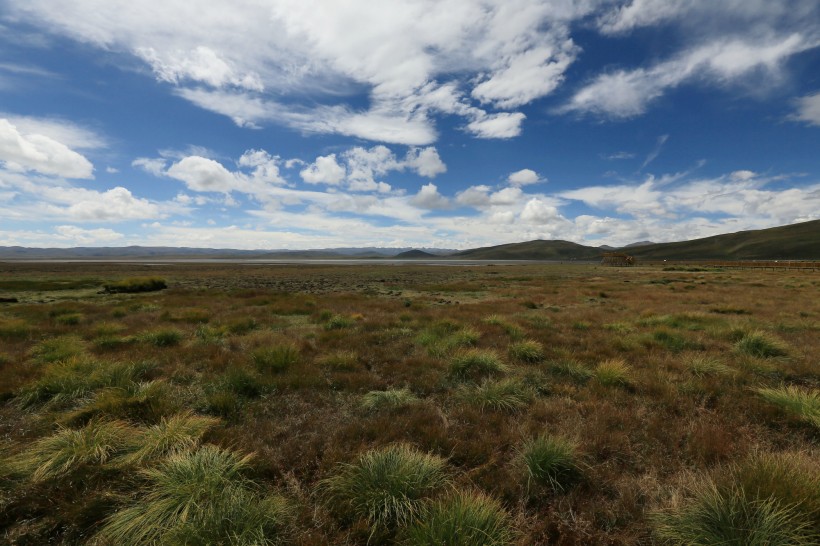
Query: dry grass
{"x": 678, "y": 389}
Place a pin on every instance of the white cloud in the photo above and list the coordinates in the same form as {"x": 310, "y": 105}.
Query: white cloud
{"x": 69, "y": 133}
{"x": 428, "y": 197}
{"x": 474, "y": 196}
{"x": 40, "y": 153}
{"x": 425, "y": 161}
{"x": 115, "y": 204}
{"x": 536, "y": 211}
{"x": 201, "y": 64}
{"x": 325, "y": 170}
{"x": 155, "y": 166}
{"x": 808, "y": 109}
{"x": 503, "y": 125}
{"x": 79, "y": 236}
{"x": 627, "y": 93}
{"x": 202, "y": 174}
{"x": 523, "y": 177}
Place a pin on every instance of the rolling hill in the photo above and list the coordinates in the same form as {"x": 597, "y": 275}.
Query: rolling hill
{"x": 533, "y": 250}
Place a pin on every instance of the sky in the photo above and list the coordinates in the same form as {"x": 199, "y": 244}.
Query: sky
{"x": 293, "y": 124}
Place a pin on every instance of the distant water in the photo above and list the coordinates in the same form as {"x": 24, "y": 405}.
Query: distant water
{"x": 373, "y": 261}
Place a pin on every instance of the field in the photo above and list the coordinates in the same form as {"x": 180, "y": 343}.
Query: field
{"x": 312, "y": 405}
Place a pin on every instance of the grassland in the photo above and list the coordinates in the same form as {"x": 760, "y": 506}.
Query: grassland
{"x": 313, "y": 405}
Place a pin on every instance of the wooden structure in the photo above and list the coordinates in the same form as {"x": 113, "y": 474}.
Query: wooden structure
{"x": 617, "y": 259}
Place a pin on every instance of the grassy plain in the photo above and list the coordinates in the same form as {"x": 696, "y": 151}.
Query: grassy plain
{"x": 311, "y": 405}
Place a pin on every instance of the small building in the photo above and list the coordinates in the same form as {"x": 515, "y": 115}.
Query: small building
{"x": 617, "y": 259}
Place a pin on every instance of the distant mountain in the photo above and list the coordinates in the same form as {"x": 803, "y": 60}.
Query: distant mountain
{"x": 533, "y": 250}
{"x": 793, "y": 242}
{"x": 415, "y": 254}
{"x": 639, "y": 243}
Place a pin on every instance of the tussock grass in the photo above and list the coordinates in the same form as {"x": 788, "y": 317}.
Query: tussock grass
{"x": 761, "y": 345}
{"x": 475, "y": 364}
{"x": 703, "y": 366}
{"x": 551, "y": 461}
{"x": 386, "y": 486}
{"x": 171, "y": 435}
{"x": 163, "y": 338}
{"x": 445, "y": 337}
{"x": 64, "y": 382}
{"x": 462, "y": 519}
{"x": 338, "y": 322}
{"x": 69, "y": 319}
{"x": 574, "y": 370}
{"x": 147, "y": 401}
{"x": 802, "y": 403}
{"x": 341, "y": 361}
{"x": 528, "y": 351}
{"x": 613, "y": 373}
{"x": 674, "y": 342}
{"x": 14, "y": 329}
{"x": 275, "y": 359}
{"x": 68, "y": 450}
{"x": 505, "y": 395}
{"x": 724, "y": 515}
{"x": 58, "y": 349}
{"x": 389, "y": 399}
{"x": 133, "y": 285}
{"x": 199, "y": 497}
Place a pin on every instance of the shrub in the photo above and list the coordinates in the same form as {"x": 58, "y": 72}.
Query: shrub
{"x": 389, "y": 399}
{"x": 387, "y": 486}
{"x": 612, "y": 373}
{"x": 760, "y": 345}
{"x": 174, "y": 434}
{"x": 199, "y": 497}
{"x": 462, "y": 519}
{"x": 475, "y": 364}
{"x": 702, "y": 366}
{"x": 275, "y": 359}
{"x": 135, "y": 284}
{"x": 551, "y": 461}
{"x": 68, "y": 450}
{"x": 527, "y": 351}
{"x": 714, "y": 514}
{"x": 802, "y": 403}
{"x": 505, "y": 395}
{"x": 163, "y": 338}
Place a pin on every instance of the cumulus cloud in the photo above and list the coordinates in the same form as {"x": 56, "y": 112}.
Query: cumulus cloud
{"x": 523, "y": 177}
{"x": 503, "y": 125}
{"x": 325, "y": 170}
{"x": 428, "y": 197}
{"x": 69, "y": 133}
{"x": 155, "y": 165}
{"x": 808, "y": 109}
{"x": 40, "y": 153}
{"x": 425, "y": 161}
{"x": 75, "y": 235}
{"x": 203, "y": 174}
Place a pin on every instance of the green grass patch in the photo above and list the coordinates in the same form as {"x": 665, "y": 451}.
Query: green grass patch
{"x": 58, "y": 349}
{"x": 475, "y": 364}
{"x": 162, "y": 338}
{"x": 509, "y": 395}
{"x": 13, "y": 329}
{"x": 133, "y": 285}
{"x": 801, "y": 403}
{"x": 552, "y": 462}
{"x": 613, "y": 373}
{"x": 760, "y": 345}
{"x": 704, "y": 366}
{"x": 572, "y": 369}
{"x": 389, "y": 399}
{"x": 462, "y": 519}
{"x": 275, "y": 359}
{"x": 527, "y": 351}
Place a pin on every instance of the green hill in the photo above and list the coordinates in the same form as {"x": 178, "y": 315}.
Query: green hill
{"x": 533, "y": 250}
{"x": 793, "y": 242}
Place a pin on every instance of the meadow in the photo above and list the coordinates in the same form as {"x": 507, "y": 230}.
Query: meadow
{"x": 408, "y": 405}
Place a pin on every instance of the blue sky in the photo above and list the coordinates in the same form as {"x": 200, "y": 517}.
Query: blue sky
{"x": 424, "y": 123}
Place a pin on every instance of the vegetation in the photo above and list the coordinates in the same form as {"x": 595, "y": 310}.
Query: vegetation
{"x": 514, "y": 404}
{"x": 134, "y": 285}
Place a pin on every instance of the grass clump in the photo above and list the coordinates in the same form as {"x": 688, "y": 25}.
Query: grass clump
{"x": 551, "y": 461}
{"x": 275, "y": 359}
{"x": 613, "y": 373}
{"x": 387, "y": 486}
{"x": 340, "y": 361}
{"x": 134, "y": 285}
{"x": 802, "y": 403}
{"x": 338, "y": 322}
{"x": 574, "y": 370}
{"x": 475, "y": 364}
{"x": 163, "y": 338}
{"x": 58, "y": 349}
{"x": 389, "y": 399}
{"x": 674, "y": 342}
{"x": 528, "y": 351}
{"x": 703, "y": 366}
{"x": 718, "y": 514}
{"x": 146, "y": 401}
{"x": 505, "y": 395}
{"x": 462, "y": 519}
{"x": 174, "y": 434}
{"x": 760, "y": 345}
{"x": 68, "y": 450}
{"x": 199, "y": 497}
{"x": 444, "y": 337}
{"x": 14, "y": 329}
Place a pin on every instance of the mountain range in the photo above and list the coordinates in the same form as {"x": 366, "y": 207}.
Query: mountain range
{"x": 791, "y": 242}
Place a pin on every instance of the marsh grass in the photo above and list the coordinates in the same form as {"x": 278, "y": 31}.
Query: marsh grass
{"x": 14, "y": 329}
{"x": 674, "y": 342}
{"x": 386, "y": 400}
{"x": 801, "y": 403}
{"x": 613, "y": 373}
{"x": 444, "y": 337}
{"x": 276, "y": 359}
{"x": 572, "y": 369}
{"x": 146, "y": 401}
{"x": 171, "y": 435}
{"x": 69, "y": 319}
{"x": 705, "y": 366}
{"x": 340, "y": 361}
{"x": 474, "y": 364}
{"x": 551, "y": 461}
{"x": 387, "y": 487}
{"x": 761, "y": 344}
{"x": 68, "y": 450}
{"x": 199, "y": 497}
{"x": 527, "y": 351}
{"x": 162, "y": 338}
{"x": 508, "y": 395}
{"x": 462, "y": 519}
{"x": 58, "y": 349}
{"x": 338, "y": 322}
